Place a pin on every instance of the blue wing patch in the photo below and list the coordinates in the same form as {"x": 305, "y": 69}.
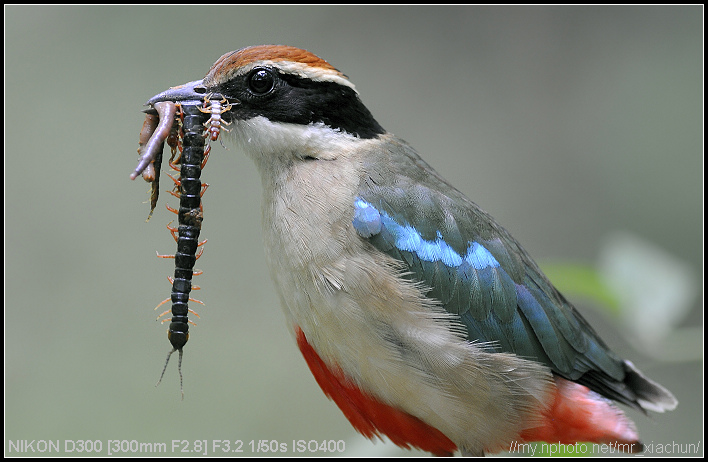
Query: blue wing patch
{"x": 368, "y": 221}
{"x": 475, "y": 279}
{"x": 516, "y": 316}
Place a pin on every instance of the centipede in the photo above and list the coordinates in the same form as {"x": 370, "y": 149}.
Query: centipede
{"x": 215, "y": 124}
{"x": 186, "y": 127}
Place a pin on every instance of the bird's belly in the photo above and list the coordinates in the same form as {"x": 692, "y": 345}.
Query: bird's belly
{"x": 361, "y": 318}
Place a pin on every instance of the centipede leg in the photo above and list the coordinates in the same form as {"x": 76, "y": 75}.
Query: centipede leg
{"x": 207, "y": 150}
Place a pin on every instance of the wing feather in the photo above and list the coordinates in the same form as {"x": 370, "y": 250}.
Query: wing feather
{"x": 476, "y": 270}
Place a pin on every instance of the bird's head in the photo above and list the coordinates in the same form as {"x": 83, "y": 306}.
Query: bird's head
{"x": 283, "y": 101}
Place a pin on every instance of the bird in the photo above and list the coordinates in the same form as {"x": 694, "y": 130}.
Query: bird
{"x": 418, "y": 314}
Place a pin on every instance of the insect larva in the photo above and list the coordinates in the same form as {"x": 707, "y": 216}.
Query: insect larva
{"x": 149, "y": 150}
{"x": 215, "y": 123}
{"x": 151, "y": 144}
{"x": 149, "y": 126}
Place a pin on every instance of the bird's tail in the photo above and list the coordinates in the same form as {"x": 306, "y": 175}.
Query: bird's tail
{"x": 650, "y": 395}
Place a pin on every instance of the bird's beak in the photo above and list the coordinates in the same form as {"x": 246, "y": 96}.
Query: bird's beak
{"x": 190, "y": 91}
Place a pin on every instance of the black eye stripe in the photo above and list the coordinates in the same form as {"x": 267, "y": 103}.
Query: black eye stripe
{"x": 289, "y": 98}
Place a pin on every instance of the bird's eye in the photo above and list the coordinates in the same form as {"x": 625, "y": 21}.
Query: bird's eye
{"x": 261, "y": 81}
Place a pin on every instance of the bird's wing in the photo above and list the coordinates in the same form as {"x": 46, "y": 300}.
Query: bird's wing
{"x": 475, "y": 269}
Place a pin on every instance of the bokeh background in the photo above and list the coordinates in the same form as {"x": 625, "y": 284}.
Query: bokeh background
{"x": 578, "y": 128}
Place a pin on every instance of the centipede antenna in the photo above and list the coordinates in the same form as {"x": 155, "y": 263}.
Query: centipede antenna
{"x": 179, "y": 369}
{"x": 167, "y": 361}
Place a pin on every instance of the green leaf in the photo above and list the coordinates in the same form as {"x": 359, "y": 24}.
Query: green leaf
{"x": 576, "y": 280}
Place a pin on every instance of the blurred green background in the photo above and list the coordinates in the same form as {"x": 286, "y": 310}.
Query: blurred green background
{"x": 576, "y": 127}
